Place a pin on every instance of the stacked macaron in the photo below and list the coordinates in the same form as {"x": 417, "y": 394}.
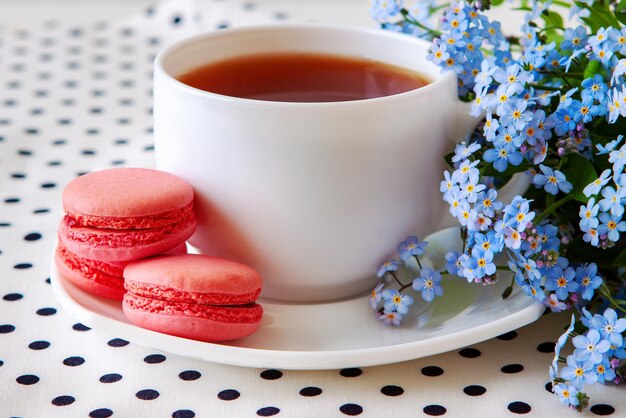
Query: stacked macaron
{"x": 116, "y": 216}
{"x": 193, "y": 296}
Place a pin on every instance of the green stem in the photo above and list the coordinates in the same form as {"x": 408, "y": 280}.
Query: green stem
{"x": 396, "y": 278}
{"x": 405, "y": 15}
{"x": 418, "y": 261}
{"x": 540, "y": 87}
{"x": 551, "y": 27}
{"x": 550, "y": 209}
{"x": 604, "y": 291}
{"x": 405, "y": 286}
{"x": 503, "y": 268}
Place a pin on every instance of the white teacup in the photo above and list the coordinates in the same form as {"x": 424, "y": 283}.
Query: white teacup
{"x": 312, "y": 195}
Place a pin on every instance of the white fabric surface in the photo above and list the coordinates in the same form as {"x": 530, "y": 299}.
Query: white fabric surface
{"x": 75, "y": 99}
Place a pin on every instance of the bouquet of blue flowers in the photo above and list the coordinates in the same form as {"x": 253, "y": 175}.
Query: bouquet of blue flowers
{"x": 552, "y": 101}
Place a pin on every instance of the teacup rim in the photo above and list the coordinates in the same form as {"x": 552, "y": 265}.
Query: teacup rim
{"x": 165, "y": 52}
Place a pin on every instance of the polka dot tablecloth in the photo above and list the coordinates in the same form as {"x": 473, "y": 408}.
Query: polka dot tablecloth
{"x": 75, "y": 99}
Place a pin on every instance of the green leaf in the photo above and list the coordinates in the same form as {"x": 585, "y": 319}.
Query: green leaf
{"x": 620, "y": 11}
{"x": 594, "y": 67}
{"x": 580, "y": 172}
{"x": 497, "y": 2}
{"x": 552, "y": 19}
{"x": 620, "y": 261}
{"x": 600, "y": 15}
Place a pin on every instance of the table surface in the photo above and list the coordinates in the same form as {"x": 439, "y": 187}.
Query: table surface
{"x": 75, "y": 96}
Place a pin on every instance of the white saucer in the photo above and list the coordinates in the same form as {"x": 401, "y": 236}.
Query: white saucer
{"x": 338, "y": 334}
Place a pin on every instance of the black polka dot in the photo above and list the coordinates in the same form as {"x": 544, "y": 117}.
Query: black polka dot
{"x": 27, "y": 379}
{"x": 310, "y": 391}
{"x": 280, "y": 16}
{"x": 121, "y": 141}
{"x": 33, "y": 236}
{"x": 46, "y": 311}
{"x": 602, "y": 409}
{"x": 351, "y": 409}
{"x": 40, "y": 211}
{"x": 39, "y": 345}
{"x": 177, "y": 20}
{"x": 267, "y": 411}
{"x": 222, "y": 25}
{"x": 18, "y": 176}
{"x": 392, "y": 390}
{"x": 435, "y": 410}
{"x": 48, "y": 185}
{"x": 183, "y": 413}
{"x": 5, "y": 224}
{"x": 22, "y": 266}
{"x": 474, "y": 390}
{"x": 58, "y": 142}
{"x": 12, "y": 200}
{"x": 432, "y": 371}
{"x": 189, "y": 375}
{"x": 117, "y": 342}
{"x": 512, "y": 368}
{"x": 63, "y": 400}
{"x": 6, "y": 328}
{"x": 101, "y": 413}
{"x": 88, "y": 152}
{"x": 548, "y": 387}
{"x": 519, "y": 407}
{"x": 547, "y": 347}
{"x": 154, "y": 358}
{"x": 31, "y": 131}
{"x": 80, "y": 327}
{"x": 55, "y": 163}
{"x": 1, "y": 363}
{"x": 73, "y": 361}
{"x": 351, "y": 372}
{"x": 110, "y": 378}
{"x": 147, "y": 394}
{"x": 11, "y": 297}
{"x": 271, "y": 374}
{"x": 469, "y": 353}
{"x": 228, "y": 395}
{"x": 507, "y": 336}
{"x": 148, "y": 147}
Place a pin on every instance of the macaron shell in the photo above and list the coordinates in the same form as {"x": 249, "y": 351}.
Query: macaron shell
{"x": 89, "y": 279}
{"x": 183, "y": 320}
{"x": 126, "y": 192}
{"x": 195, "y": 273}
{"x": 124, "y": 245}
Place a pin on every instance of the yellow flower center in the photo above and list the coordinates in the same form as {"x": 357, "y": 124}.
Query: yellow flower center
{"x": 552, "y": 179}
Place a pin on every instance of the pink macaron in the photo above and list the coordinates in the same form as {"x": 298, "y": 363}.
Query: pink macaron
{"x": 193, "y": 296}
{"x": 126, "y": 214}
{"x": 100, "y": 278}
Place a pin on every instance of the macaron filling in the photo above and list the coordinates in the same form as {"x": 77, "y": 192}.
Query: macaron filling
{"x": 248, "y": 313}
{"x": 77, "y": 219}
{"x": 91, "y": 269}
{"x": 126, "y": 238}
{"x": 147, "y": 290}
